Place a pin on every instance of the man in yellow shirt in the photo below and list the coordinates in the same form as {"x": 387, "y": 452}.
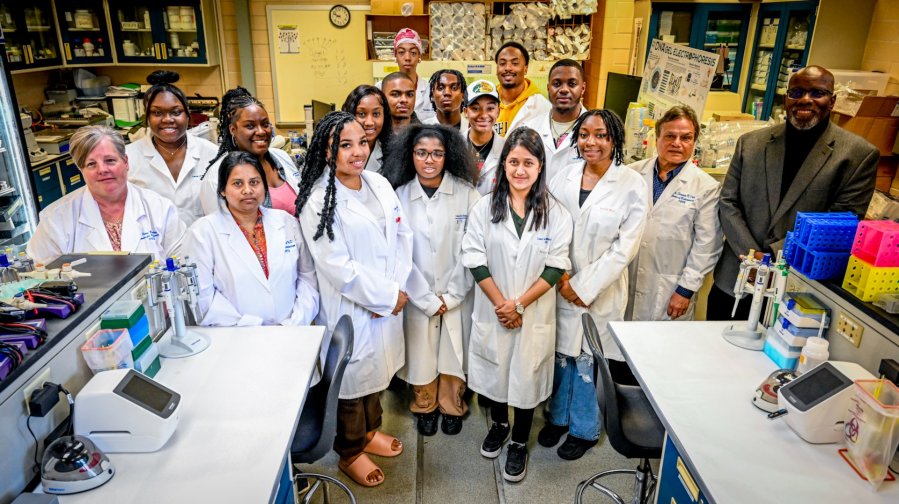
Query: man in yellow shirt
{"x": 514, "y": 89}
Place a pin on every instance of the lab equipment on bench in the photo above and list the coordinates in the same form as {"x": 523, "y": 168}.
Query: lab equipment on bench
{"x": 765, "y": 397}
{"x": 73, "y": 464}
{"x": 750, "y": 336}
{"x": 175, "y": 285}
{"x": 123, "y": 411}
{"x": 818, "y": 401}
{"x": 872, "y": 429}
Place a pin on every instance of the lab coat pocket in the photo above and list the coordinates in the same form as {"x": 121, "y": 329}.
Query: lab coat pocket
{"x": 484, "y": 341}
{"x": 362, "y": 360}
{"x": 539, "y": 344}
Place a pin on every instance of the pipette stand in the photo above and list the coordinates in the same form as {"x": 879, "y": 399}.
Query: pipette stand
{"x": 176, "y": 284}
{"x": 749, "y": 335}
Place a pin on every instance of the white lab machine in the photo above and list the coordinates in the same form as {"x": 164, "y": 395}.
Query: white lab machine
{"x": 817, "y": 402}
{"x": 123, "y": 411}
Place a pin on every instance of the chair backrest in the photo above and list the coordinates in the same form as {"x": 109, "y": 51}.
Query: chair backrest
{"x": 605, "y": 387}
{"x": 319, "y": 415}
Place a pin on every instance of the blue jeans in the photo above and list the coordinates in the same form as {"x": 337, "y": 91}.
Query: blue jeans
{"x": 573, "y": 402}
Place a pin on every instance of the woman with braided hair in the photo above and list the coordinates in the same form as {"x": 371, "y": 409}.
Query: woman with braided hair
{"x": 245, "y": 126}
{"x": 355, "y": 228}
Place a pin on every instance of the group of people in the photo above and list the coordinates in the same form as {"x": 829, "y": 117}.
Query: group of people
{"x": 465, "y": 229}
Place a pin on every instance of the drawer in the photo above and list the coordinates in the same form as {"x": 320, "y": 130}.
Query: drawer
{"x": 48, "y": 184}
{"x": 71, "y": 175}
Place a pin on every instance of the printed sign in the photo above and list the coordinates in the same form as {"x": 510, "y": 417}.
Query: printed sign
{"x": 676, "y": 75}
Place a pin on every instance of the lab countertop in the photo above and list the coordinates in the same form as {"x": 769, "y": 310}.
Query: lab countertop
{"x": 241, "y": 401}
{"x": 109, "y": 273}
{"x": 701, "y": 387}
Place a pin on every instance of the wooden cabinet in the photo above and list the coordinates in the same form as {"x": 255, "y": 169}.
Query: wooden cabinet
{"x": 169, "y": 32}
{"x": 84, "y": 32}
{"x": 32, "y": 42}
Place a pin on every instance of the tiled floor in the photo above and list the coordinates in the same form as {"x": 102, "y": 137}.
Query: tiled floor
{"x": 450, "y": 469}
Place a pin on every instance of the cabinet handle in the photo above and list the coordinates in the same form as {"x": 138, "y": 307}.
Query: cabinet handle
{"x": 29, "y": 59}
{"x": 156, "y": 49}
{"x": 165, "y": 51}
{"x": 68, "y": 52}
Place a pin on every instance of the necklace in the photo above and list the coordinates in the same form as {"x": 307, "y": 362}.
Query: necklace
{"x": 170, "y": 152}
{"x": 556, "y": 126}
{"x": 480, "y": 150}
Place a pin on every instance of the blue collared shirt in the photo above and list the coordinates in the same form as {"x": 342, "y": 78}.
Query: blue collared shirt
{"x": 658, "y": 186}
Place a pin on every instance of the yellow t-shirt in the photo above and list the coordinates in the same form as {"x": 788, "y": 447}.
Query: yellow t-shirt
{"x": 507, "y": 112}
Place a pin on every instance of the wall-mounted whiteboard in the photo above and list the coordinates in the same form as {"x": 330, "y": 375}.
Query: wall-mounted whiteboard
{"x": 312, "y": 59}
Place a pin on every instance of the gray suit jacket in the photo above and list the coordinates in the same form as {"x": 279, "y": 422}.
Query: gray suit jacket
{"x": 838, "y": 175}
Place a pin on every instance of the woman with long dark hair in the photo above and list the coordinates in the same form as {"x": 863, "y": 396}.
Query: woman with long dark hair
{"x": 369, "y": 105}
{"x": 608, "y": 203}
{"x": 362, "y": 247}
{"x": 168, "y": 160}
{"x": 245, "y": 126}
{"x": 436, "y": 175}
{"x": 252, "y": 263}
{"x": 516, "y": 246}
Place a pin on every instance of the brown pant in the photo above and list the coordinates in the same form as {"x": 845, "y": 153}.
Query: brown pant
{"x": 444, "y": 392}
{"x": 355, "y": 419}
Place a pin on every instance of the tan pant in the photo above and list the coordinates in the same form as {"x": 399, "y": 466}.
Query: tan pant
{"x": 444, "y": 392}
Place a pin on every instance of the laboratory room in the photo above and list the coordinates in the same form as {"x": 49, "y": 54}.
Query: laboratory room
{"x": 443, "y": 251}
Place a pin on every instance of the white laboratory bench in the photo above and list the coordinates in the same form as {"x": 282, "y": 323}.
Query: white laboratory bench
{"x": 701, "y": 386}
{"x": 242, "y": 399}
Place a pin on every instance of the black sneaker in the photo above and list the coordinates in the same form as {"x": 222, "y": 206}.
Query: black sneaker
{"x": 496, "y": 438}
{"x": 516, "y": 462}
{"x": 451, "y": 425}
{"x": 550, "y": 435}
{"x": 427, "y": 423}
{"x": 574, "y": 448}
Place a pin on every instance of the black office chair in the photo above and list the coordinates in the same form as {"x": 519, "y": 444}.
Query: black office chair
{"x": 631, "y": 425}
{"x": 315, "y": 433}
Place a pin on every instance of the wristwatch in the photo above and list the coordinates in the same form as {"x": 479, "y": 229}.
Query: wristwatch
{"x": 519, "y": 308}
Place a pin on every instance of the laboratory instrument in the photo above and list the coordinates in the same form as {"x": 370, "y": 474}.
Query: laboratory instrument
{"x": 753, "y": 278}
{"x": 765, "y": 397}
{"x": 73, "y": 464}
{"x": 123, "y": 411}
{"x": 173, "y": 286}
{"x": 817, "y": 402}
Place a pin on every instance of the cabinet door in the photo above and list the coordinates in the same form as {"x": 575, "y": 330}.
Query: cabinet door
{"x": 47, "y": 184}
{"x": 756, "y": 99}
{"x": 797, "y": 36}
{"x": 31, "y": 39}
{"x": 183, "y": 40}
{"x": 85, "y": 34}
{"x": 137, "y": 27}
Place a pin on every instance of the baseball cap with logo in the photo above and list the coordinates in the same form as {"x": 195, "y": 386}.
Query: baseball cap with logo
{"x": 407, "y": 36}
{"x": 480, "y": 88}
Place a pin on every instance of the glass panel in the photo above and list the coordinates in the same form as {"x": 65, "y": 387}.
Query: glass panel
{"x": 722, "y": 35}
{"x": 761, "y": 66}
{"x": 793, "y": 57}
{"x": 182, "y": 39}
{"x": 85, "y": 26}
{"x": 675, "y": 27}
{"x": 41, "y": 34}
{"x": 136, "y": 26}
{"x": 17, "y": 216}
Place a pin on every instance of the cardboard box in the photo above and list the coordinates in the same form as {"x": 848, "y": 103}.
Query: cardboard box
{"x": 732, "y": 116}
{"x": 394, "y": 7}
{"x": 876, "y": 120}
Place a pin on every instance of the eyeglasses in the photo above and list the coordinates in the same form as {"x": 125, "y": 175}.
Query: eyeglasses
{"x": 421, "y": 154}
{"x": 815, "y": 93}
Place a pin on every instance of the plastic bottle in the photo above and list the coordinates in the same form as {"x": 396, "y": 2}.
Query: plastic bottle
{"x": 813, "y": 353}
{"x": 649, "y": 138}
{"x": 26, "y": 262}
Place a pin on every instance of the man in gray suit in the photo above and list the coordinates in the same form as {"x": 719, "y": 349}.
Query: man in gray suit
{"x": 806, "y": 165}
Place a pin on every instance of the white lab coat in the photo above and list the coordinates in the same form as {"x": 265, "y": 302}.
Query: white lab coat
{"x": 234, "y": 290}
{"x": 534, "y": 107}
{"x": 147, "y": 168}
{"x": 375, "y": 158}
{"x": 438, "y": 223}
{"x": 514, "y": 366}
{"x": 361, "y": 272}
{"x": 681, "y": 244}
{"x": 557, "y": 159}
{"x": 73, "y": 224}
{"x": 212, "y": 203}
{"x": 607, "y": 230}
{"x": 487, "y": 177}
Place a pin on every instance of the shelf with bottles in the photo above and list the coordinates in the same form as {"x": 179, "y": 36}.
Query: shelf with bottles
{"x": 172, "y": 32}
{"x": 84, "y": 31}
{"x": 32, "y": 42}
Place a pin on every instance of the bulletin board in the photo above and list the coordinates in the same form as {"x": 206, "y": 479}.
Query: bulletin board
{"x": 313, "y": 59}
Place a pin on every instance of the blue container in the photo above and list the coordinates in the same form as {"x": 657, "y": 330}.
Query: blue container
{"x": 819, "y": 264}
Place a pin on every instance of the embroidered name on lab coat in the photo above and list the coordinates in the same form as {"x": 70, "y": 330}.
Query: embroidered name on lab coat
{"x": 150, "y": 235}
{"x": 545, "y": 239}
{"x": 461, "y": 218}
{"x": 289, "y": 246}
{"x": 396, "y": 211}
{"x": 684, "y": 198}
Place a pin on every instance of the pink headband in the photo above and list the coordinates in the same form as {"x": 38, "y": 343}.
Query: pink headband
{"x": 407, "y": 36}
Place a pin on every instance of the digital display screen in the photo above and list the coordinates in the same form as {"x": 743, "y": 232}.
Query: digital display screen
{"x": 816, "y": 386}
{"x": 147, "y": 393}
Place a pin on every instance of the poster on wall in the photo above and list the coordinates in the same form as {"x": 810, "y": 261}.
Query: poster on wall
{"x": 288, "y": 39}
{"x": 676, "y": 75}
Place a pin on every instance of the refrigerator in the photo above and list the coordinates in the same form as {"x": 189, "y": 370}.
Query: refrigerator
{"x": 18, "y": 212}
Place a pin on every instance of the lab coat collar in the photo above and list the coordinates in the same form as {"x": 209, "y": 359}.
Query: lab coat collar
{"x": 154, "y": 158}
{"x": 274, "y": 241}
{"x": 603, "y": 187}
{"x": 135, "y": 213}
{"x": 447, "y": 186}
{"x": 546, "y": 133}
{"x": 683, "y": 177}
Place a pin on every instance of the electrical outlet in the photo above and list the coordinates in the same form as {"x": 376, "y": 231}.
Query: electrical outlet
{"x": 37, "y": 383}
{"x": 850, "y": 329}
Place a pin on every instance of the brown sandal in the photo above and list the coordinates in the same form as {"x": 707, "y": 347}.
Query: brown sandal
{"x": 382, "y": 445}
{"x": 360, "y": 469}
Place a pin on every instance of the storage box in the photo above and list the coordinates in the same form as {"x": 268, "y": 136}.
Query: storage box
{"x": 886, "y": 171}
{"x": 395, "y": 7}
{"x": 862, "y": 81}
{"x": 732, "y": 116}
{"x": 874, "y": 118}
{"x": 122, "y": 314}
{"x": 866, "y": 281}
{"x": 108, "y": 349}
